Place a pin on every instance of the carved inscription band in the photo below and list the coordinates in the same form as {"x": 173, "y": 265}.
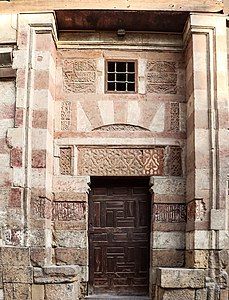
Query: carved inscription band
{"x": 169, "y": 213}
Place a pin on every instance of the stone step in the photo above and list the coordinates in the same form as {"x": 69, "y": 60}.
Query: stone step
{"x": 113, "y": 297}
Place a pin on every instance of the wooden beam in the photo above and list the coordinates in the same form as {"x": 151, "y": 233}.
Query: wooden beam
{"x": 16, "y": 6}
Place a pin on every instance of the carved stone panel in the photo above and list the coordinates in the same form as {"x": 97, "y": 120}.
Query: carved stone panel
{"x": 120, "y": 127}
{"x": 174, "y": 116}
{"x": 169, "y": 213}
{"x": 68, "y": 211}
{"x": 65, "y": 115}
{"x": 66, "y": 160}
{"x": 121, "y": 162}
{"x": 174, "y": 161}
{"x": 79, "y": 75}
{"x": 161, "y": 77}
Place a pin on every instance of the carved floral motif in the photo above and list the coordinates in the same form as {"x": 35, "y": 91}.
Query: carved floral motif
{"x": 121, "y": 162}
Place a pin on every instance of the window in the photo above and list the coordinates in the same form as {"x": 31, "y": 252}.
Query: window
{"x": 121, "y": 76}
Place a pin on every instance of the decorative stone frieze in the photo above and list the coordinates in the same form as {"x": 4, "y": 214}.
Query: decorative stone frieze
{"x": 121, "y": 161}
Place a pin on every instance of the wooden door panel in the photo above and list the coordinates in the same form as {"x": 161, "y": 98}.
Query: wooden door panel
{"x": 119, "y": 234}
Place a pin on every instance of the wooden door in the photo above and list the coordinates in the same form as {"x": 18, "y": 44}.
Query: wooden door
{"x": 119, "y": 235}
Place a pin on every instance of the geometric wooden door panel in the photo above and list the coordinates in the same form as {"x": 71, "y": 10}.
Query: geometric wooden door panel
{"x": 119, "y": 237}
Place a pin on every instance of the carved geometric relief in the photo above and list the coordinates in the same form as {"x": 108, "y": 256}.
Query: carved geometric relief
{"x": 174, "y": 116}
{"x": 120, "y": 127}
{"x": 174, "y": 162}
{"x": 68, "y": 211}
{"x": 170, "y": 213}
{"x": 79, "y": 75}
{"x": 66, "y": 160}
{"x": 121, "y": 162}
{"x": 161, "y": 77}
{"x": 65, "y": 115}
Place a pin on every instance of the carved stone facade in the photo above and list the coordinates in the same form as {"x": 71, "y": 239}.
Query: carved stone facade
{"x": 62, "y": 134}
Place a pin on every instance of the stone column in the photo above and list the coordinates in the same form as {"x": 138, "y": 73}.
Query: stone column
{"x": 207, "y": 97}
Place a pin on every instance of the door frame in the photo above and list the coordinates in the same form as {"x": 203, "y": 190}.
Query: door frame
{"x": 146, "y": 178}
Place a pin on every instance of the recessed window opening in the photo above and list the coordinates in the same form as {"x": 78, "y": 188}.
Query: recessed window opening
{"x": 121, "y": 76}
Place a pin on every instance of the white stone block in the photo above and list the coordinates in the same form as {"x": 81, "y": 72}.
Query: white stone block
{"x": 218, "y": 219}
{"x": 168, "y": 240}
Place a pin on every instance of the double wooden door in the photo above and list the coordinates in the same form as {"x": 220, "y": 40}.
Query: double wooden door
{"x": 119, "y": 236}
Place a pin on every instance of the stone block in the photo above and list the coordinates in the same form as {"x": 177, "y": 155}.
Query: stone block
{"x": 20, "y": 274}
{"x": 68, "y": 256}
{"x": 1, "y": 294}
{"x": 181, "y": 278}
{"x": 38, "y": 292}
{"x": 199, "y": 239}
{"x": 16, "y": 197}
{"x": 67, "y": 291}
{"x": 17, "y": 291}
{"x": 167, "y": 258}
{"x": 15, "y": 256}
{"x": 168, "y": 186}
{"x": 19, "y": 117}
{"x": 201, "y": 294}
{"x": 16, "y": 157}
{"x": 56, "y": 274}
{"x": 168, "y": 240}
{"x": 223, "y": 239}
{"x": 40, "y": 256}
{"x": 197, "y": 259}
{"x": 38, "y": 158}
{"x": 67, "y": 238}
{"x": 40, "y": 118}
{"x": 179, "y": 294}
{"x": 217, "y": 219}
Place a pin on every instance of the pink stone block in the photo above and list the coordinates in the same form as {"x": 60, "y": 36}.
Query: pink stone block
{"x": 16, "y": 157}
{"x": 15, "y": 197}
{"x": 38, "y": 158}
{"x": 40, "y": 119}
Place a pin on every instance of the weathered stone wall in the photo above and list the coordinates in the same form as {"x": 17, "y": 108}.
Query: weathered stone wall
{"x": 58, "y": 127}
{"x": 93, "y": 127}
